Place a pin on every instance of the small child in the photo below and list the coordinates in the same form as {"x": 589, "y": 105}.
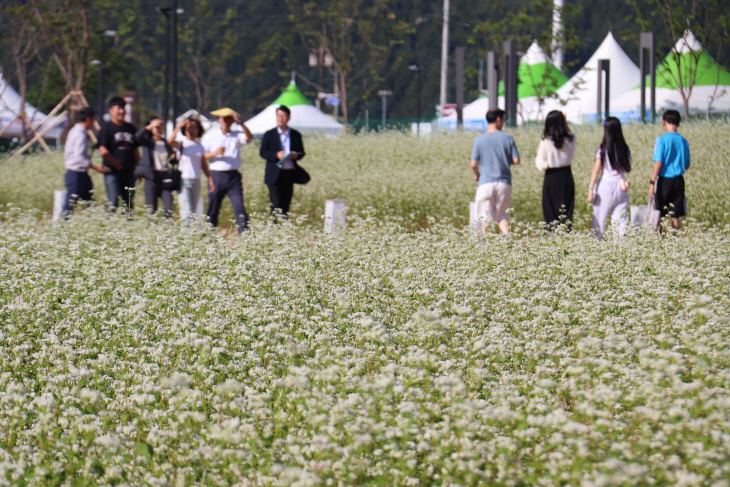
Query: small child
{"x": 671, "y": 160}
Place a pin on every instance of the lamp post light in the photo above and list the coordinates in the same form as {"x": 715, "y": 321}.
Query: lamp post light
{"x": 100, "y": 62}
{"x": 384, "y": 94}
{"x": 419, "y": 70}
{"x": 170, "y": 19}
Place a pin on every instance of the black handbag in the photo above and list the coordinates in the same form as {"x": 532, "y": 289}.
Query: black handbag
{"x": 300, "y": 175}
{"x": 171, "y": 179}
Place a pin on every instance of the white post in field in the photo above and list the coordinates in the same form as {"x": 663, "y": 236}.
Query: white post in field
{"x": 335, "y": 216}
{"x": 59, "y": 198}
{"x": 444, "y": 55}
{"x": 556, "y": 48}
{"x": 474, "y": 222}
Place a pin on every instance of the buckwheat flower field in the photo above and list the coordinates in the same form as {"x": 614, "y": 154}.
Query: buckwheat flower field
{"x": 135, "y": 352}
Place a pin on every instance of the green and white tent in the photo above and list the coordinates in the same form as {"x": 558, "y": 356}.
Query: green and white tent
{"x": 536, "y": 74}
{"x": 688, "y": 61}
{"x": 305, "y": 117}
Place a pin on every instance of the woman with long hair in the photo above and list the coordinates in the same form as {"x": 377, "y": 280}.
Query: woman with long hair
{"x": 193, "y": 161}
{"x": 610, "y": 192}
{"x": 555, "y": 154}
{"x": 153, "y": 166}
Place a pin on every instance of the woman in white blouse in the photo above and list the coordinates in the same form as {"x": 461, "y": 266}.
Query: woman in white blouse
{"x": 193, "y": 160}
{"x": 555, "y": 154}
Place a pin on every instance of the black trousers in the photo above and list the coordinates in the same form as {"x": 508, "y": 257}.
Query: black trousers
{"x": 153, "y": 190}
{"x": 558, "y": 196}
{"x": 281, "y": 192}
{"x": 227, "y": 183}
{"x": 78, "y": 187}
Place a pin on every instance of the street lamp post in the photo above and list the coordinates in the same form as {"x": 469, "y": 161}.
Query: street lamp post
{"x": 100, "y": 63}
{"x": 166, "y": 97}
{"x": 384, "y": 94}
{"x": 419, "y": 70}
{"x": 174, "y": 60}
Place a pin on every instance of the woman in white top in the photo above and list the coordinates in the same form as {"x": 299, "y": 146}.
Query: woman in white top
{"x": 193, "y": 160}
{"x": 555, "y": 154}
{"x": 610, "y": 193}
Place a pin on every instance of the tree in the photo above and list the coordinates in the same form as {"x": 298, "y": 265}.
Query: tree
{"x": 24, "y": 49}
{"x": 693, "y": 22}
{"x": 356, "y": 37}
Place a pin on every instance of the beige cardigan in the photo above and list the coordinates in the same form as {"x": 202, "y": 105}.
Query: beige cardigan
{"x": 548, "y": 157}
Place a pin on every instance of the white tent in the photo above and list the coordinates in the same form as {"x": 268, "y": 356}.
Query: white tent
{"x": 710, "y": 91}
{"x": 580, "y": 91}
{"x": 304, "y": 116}
{"x": 10, "y": 109}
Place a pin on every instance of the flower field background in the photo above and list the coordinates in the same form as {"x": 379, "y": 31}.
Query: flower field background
{"x": 136, "y": 352}
{"x": 399, "y": 175}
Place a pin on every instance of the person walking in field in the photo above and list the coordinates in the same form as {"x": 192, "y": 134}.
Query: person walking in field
{"x": 278, "y": 143}
{"x": 119, "y": 148}
{"x": 671, "y": 161}
{"x": 610, "y": 192}
{"x": 555, "y": 155}
{"x": 224, "y": 146}
{"x": 193, "y": 161}
{"x": 153, "y": 166}
{"x": 78, "y": 162}
{"x": 492, "y": 155}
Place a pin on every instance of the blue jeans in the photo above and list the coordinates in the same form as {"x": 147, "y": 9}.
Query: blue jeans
{"x": 78, "y": 187}
{"x": 189, "y": 194}
{"x": 116, "y": 183}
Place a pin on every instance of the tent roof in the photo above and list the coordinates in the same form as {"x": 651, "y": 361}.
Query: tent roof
{"x": 304, "y": 116}
{"x": 291, "y": 97}
{"x": 696, "y": 66}
{"x": 537, "y": 75}
{"x": 581, "y": 89}
{"x": 10, "y": 109}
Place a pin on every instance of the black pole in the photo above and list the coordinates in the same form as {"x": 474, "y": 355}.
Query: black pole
{"x": 418, "y": 129}
{"x": 166, "y": 96}
{"x": 174, "y": 60}
{"x": 460, "y": 86}
{"x": 101, "y": 79}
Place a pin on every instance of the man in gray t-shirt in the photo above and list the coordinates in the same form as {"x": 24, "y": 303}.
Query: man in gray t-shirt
{"x": 491, "y": 157}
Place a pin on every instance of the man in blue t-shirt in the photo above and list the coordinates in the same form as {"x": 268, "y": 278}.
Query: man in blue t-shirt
{"x": 671, "y": 160}
{"x": 491, "y": 157}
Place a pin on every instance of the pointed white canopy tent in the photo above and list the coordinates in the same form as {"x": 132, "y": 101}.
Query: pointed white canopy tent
{"x": 11, "y": 126}
{"x": 304, "y": 116}
{"x": 537, "y": 75}
{"x": 710, "y": 93}
{"x": 581, "y": 90}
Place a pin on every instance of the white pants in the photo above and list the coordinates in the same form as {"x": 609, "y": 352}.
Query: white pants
{"x": 493, "y": 201}
{"x": 609, "y": 199}
{"x": 189, "y": 194}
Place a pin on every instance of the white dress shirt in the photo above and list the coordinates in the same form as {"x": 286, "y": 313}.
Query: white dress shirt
{"x": 232, "y": 142}
{"x": 76, "y": 152}
{"x": 550, "y": 157}
{"x": 285, "y": 138}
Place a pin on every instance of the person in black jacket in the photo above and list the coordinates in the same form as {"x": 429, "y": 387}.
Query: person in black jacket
{"x": 153, "y": 166}
{"x": 278, "y": 143}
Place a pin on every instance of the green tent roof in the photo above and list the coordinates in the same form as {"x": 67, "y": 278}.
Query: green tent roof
{"x": 291, "y": 97}
{"x": 689, "y": 59}
{"x": 536, "y": 75}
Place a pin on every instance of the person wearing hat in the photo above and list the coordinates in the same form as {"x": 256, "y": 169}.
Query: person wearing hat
{"x": 278, "y": 143}
{"x": 224, "y": 147}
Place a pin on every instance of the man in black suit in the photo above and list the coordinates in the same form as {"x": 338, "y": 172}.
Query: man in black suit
{"x": 278, "y": 143}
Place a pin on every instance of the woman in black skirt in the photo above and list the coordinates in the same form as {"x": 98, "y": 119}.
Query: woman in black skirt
{"x": 555, "y": 154}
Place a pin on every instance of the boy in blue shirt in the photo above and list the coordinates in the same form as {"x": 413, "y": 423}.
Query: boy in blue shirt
{"x": 671, "y": 160}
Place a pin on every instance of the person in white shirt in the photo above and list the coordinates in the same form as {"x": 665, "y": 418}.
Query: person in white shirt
{"x": 193, "y": 160}
{"x": 77, "y": 160}
{"x": 555, "y": 154}
{"x": 224, "y": 146}
{"x": 610, "y": 192}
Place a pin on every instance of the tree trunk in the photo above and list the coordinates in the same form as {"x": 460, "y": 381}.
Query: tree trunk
{"x": 343, "y": 95}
